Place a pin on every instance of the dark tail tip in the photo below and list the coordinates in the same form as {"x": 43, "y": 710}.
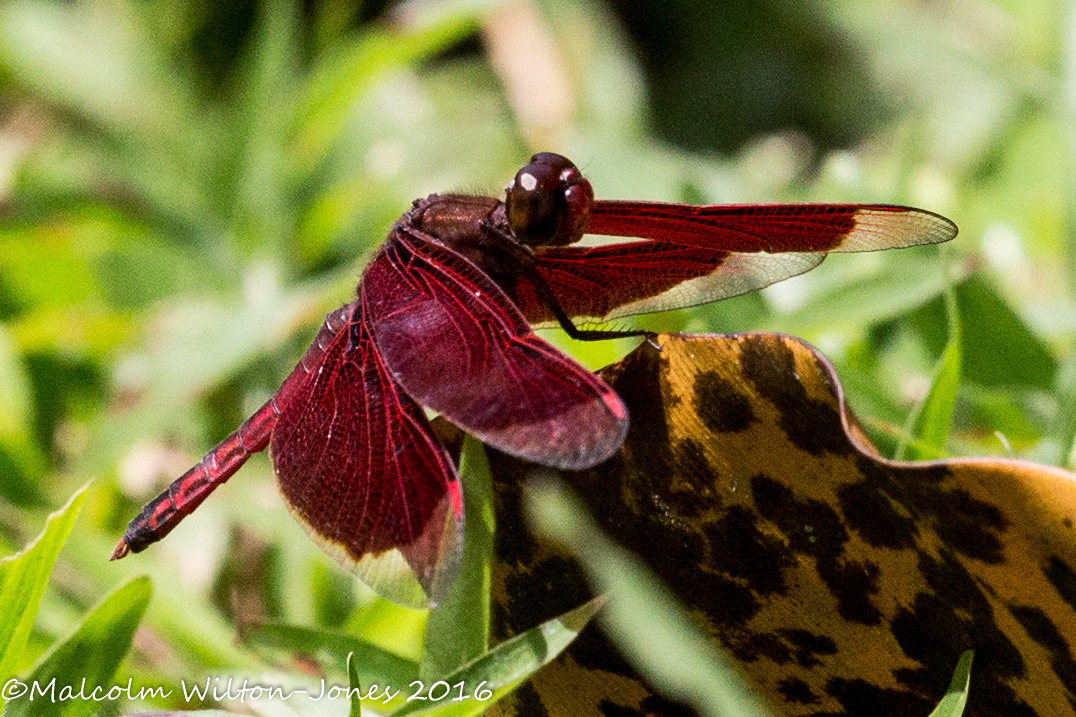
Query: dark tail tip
{"x": 120, "y": 551}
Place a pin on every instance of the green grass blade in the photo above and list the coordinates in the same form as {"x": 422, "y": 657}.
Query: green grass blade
{"x": 373, "y": 663}
{"x": 20, "y": 459}
{"x": 354, "y": 689}
{"x": 457, "y": 630}
{"x": 952, "y": 704}
{"x": 261, "y": 209}
{"x": 475, "y": 687}
{"x": 931, "y": 423}
{"x": 349, "y": 70}
{"x": 83, "y": 665}
{"x": 644, "y": 619}
{"x": 22, "y": 581}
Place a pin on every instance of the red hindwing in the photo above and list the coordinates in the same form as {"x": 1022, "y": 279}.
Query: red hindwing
{"x": 360, "y": 468}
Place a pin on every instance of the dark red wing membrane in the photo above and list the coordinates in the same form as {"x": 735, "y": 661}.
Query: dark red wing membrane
{"x": 360, "y": 468}
{"x": 772, "y": 228}
{"x": 457, "y": 344}
{"x": 702, "y": 254}
{"x": 606, "y": 282}
{"x": 188, "y": 491}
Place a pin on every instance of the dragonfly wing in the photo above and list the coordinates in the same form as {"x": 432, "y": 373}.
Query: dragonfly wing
{"x": 615, "y": 280}
{"x": 360, "y": 468}
{"x": 699, "y": 254}
{"x": 458, "y": 345}
{"x": 773, "y": 228}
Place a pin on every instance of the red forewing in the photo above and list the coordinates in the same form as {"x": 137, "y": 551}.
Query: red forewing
{"x": 773, "y": 228}
{"x": 700, "y": 254}
{"x": 458, "y": 345}
{"x": 360, "y": 468}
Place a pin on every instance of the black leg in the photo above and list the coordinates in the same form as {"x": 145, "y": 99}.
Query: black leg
{"x": 546, "y": 295}
{"x": 526, "y": 258}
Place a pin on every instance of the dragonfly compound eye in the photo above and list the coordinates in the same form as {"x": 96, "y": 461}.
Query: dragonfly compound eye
{"x": 548, "y": 202}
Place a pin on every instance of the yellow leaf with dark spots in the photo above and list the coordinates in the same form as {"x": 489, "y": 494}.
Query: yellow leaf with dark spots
{"x": 841, "y": 583}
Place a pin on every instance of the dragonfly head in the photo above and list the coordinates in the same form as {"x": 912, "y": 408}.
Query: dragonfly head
{"x": 548, "y": 202}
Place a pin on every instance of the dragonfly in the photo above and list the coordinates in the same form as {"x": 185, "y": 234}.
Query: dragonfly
{"x": 444, "y": 320}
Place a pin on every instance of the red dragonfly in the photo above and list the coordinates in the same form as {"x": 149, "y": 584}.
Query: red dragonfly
{"x": 444, "y": 319}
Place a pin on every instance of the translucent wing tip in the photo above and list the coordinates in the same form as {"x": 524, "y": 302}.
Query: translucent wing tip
{"x": 890, "y": 227}
{"x": 416, "y": 575}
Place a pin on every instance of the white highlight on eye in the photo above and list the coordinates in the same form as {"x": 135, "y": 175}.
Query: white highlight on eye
{"x": 528, "y": 181}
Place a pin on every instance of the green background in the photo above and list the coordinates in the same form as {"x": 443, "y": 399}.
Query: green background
{"x": 186, "y": 188}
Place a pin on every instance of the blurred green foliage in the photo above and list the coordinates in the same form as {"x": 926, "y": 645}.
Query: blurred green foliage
{"x": 187, "y": 188}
